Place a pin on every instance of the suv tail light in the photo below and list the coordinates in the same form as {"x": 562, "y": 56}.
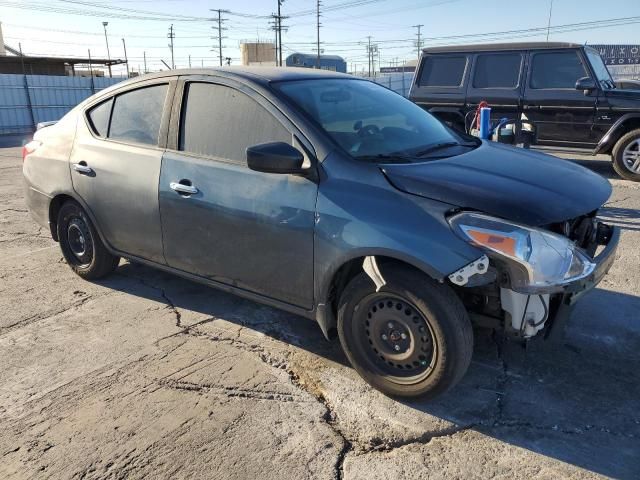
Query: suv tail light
{"x": 30, "y": 148}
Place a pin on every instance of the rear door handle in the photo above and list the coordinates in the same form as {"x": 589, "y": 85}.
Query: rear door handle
{"x": 82, "y": 168}
{"x": 182, "y": 188}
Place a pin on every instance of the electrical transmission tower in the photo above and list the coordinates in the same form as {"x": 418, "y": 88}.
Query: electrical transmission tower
{"x": 220, "y": 29}
{"x": 171, "y": 35}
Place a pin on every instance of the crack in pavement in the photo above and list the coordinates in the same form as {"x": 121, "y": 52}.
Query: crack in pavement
{"x": 170, "y": 304}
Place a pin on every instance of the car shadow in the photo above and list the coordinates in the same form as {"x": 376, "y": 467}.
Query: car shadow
{"x": 575, "y": 401}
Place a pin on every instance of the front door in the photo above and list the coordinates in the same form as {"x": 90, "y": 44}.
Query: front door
{"x": 247, "y": 229}
{"x": 562, "y": 115}
{"x": 115, "y": 168}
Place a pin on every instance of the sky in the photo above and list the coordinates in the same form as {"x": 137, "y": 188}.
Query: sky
{"x": 71, "y": 27}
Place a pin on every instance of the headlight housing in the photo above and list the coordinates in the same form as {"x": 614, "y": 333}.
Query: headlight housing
{"x": 537, "y": 261}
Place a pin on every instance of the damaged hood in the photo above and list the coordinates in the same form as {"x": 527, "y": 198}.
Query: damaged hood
{"x": 516, "y": 184}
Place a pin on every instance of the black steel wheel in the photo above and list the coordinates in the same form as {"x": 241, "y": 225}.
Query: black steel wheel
{"x": 81, "y": 246}
{"x": 411, "y": 338}
{"x": 400, "y": 342}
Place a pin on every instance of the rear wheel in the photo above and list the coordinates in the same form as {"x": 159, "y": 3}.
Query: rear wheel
{"x": 80, "y": 244}
{"x": 626, "y": 156}
{"x": 411, "y": 338}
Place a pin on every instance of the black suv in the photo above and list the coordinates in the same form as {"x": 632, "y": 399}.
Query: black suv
{"x": 564, "y": 90}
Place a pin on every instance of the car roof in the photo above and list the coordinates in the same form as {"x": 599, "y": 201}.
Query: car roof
{"x": 497, "y": 47}
{"x": 256, "y": 74}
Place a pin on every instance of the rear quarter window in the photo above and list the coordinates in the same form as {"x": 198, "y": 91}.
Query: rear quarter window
{"x": 443, "y": 70}
{"x": 99, "y": 118}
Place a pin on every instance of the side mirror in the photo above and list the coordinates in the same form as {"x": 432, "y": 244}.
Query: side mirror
{"x": 275, "y": 157}
{"x": 586, "y": 84}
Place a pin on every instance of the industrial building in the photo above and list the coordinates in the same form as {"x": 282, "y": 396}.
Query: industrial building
{"x": 327, "y": 62}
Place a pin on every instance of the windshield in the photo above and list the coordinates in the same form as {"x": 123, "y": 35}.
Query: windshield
{"x": 369, "y": 121}
{"x": 600, "y": 69}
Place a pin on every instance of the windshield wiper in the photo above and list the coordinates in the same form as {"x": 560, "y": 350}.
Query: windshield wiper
{"x": 440, "y": 146}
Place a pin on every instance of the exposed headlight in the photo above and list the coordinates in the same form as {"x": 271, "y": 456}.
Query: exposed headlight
{"x": 537, "y": 261}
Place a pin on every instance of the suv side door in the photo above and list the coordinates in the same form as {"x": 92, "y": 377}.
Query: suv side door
{"x": 497, "y": 77}
{"x": 562, "y": 115}
{"x": 247, "y": 229}
{"x": 115, "y": 165}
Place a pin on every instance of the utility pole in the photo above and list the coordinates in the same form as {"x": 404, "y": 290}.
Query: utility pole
{"x": 280, "y": 33}
{"x": 106, "y": 39}
{"x": 220, "y": 29}
{"x": 126, "y": 60}
{"x": 171, "y": 36}
{"x": 549, "y": 21}
{"x": 189, "y": 61}
{"x": 369, "y": 53}
{"x": 419, "y": 42}
{"x": 144, "y": 55}
{"x": 318, "y": 33}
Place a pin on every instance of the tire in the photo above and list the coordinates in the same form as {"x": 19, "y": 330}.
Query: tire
{"x": 427, "y": 361}
{"x": 81, "y": 245}
{"x": 628, "y": 144}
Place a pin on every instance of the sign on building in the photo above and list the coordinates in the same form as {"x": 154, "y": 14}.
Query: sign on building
{"x": 619, "y": 54}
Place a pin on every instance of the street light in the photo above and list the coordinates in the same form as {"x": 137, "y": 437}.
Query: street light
{"x": 106, "y": 39}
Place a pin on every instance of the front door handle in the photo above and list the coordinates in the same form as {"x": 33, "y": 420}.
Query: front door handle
{"x": 82, "y": 168}
{"x": 183, "y": 188}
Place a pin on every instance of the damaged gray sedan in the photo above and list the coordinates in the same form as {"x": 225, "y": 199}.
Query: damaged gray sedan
{"x": 330, "y": 197}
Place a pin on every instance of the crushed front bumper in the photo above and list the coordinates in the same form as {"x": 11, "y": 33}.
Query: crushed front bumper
{"x": 563, "y": 303}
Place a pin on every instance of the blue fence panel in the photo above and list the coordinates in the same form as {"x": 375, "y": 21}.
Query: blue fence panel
{"x": 29, "y": 99}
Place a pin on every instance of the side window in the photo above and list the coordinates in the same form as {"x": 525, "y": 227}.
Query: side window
{"x": 99, "y": 118}
{"x": 441, "y": 71}
{"x": 220, "y": 121}
{"x": 556, "y": 70}
{"x": 137, "y": 115}
{"x": 497, "y": 70}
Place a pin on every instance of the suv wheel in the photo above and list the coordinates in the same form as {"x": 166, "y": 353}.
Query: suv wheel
{"x": 626, "y": 156}
{"x": 411, "y": 338}
{"x": 80, "y": 244}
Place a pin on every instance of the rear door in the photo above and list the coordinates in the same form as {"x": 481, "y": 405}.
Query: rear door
{"x": 247, "y": 229}
{"x": 115, "y": 165}
{"x": 497, "y": 77}
{"x": 563, "y": 115}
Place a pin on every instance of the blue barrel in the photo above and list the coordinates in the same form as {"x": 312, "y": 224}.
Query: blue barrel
{"x": 485, "y": 122}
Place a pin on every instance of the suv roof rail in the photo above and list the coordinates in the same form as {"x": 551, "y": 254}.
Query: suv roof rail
{"x": 493, "y": 47}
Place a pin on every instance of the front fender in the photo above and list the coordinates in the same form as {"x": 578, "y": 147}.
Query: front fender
{"x": 368, "y": 216}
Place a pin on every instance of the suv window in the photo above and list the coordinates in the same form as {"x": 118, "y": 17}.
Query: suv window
{"x": 441, "y": 71}
{"x": 556, "y": 70}
{"x": 497, "y": 70}
{"x": 220, "y": 121}
{"x": 99, "y": 117}
{"x": 137, "y": 115}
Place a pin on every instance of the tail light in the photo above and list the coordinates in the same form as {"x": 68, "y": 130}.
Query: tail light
{"x": 30, "y": 148}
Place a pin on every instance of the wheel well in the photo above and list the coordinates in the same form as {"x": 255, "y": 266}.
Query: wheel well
{"x": 54, "y": 208}
{"x": 626, "y": 127}
{"x": 347, "y": 272}
{"x": 456, "y": 118}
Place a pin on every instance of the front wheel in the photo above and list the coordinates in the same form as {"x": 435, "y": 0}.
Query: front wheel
{"x": 626, "y": 156}
{"x": 411, "y": 338}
